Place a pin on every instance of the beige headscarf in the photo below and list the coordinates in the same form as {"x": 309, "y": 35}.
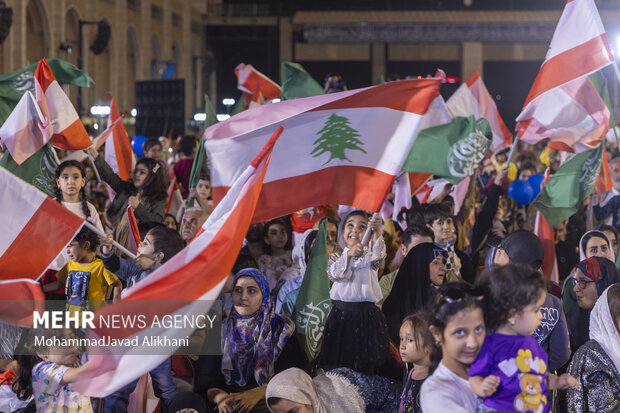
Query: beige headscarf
{"x": 603, "y": 329}
{"x": 325, "y": 393}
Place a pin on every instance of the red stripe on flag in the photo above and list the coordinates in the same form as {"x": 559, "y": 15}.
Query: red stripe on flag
{"x": 133, "y": 227}
{"x": 603, "y": 180}
{"x": 44, "y": 74}
{"x": 73, "y": 137}
{"x": 122, "y": 145}
{"x": 571, "y": 64}
{"x": 50, "y": 219}
{"x": 19, "y": 299}
{"x": 472, "y": 79}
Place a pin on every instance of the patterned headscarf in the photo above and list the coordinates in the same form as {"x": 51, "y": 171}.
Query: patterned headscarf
{"x": 591, "y": 269}
{"x": 251, "y": 344}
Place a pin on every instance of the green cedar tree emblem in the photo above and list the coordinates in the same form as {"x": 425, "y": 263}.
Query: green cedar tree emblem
{"x": 336, "y": 136}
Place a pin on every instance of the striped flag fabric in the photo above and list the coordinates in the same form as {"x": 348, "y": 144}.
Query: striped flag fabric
{"x": 254, "y": 84}
{"x": 543, "y": 230}
{"x": 473, "y": 98}
{"x": 31, "y": 219}
{"x": 134, "y": 234}
{"x": 19, "y": 298}
{"x": 563, "y": 104}
{"x": 118, "y": 152}
{"x": 196, "y": 274}
{"x": 175, "y": 199}
{"x": 343, "y": 148}
{"x": 69, "y": 132}
{"x": 26, "y": 130}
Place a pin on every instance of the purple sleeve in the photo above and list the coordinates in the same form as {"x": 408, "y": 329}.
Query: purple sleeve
{"x": 484, "y": 362}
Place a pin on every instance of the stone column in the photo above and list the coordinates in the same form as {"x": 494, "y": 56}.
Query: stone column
{"x": 471, "y": 59}
{"x": 286, "y": 41}
{"x": 378, "y": 62}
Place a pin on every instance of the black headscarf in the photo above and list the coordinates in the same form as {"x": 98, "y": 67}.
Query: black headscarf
{"x": 412, "y": 286}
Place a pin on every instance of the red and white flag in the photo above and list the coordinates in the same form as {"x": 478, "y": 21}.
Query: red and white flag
{"x": 563, "y": 105}
{"x": 473, "y": 98}
{"x": 134, "y": 234}
{"x": 26, "y": 129}
{"x": 69, "y": 132}
{"x": 543, "y": 230}
{"x": 195, "y": 274}
{"x": 175, "y": 199}
{"x": 344, "y": 148}
{"x": 255, "y": 85}
{"x": 35, "y": 230}
{"x": 118, "y": 152}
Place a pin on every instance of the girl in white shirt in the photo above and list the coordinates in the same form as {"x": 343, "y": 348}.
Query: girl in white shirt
{"x": 456, "y": 322}
{"x": 356, "y": 334}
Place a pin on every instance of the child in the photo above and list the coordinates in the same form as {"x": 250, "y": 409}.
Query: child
{"x": 159, "y": 245}
{"x": 47, "y": 374}
{"x": 202, "y": 193}
{"x": 415, "y": 348}
{"x": 510, "y": 372}
{"x": 88, "y": 279}
{"x": 356, "y": 333}
{"x": 278, "y": 258}
{"x": 70, "y": 182}
{"x": 439, "y": 220}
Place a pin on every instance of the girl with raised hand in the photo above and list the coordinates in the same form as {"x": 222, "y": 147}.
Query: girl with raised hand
{"x": 510, "y": 372}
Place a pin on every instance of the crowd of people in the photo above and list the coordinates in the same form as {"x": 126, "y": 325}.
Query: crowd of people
{"x": 437, "y": 312}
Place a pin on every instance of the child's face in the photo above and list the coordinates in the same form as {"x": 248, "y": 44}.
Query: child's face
{"x": 154, "y": 152}
{"x": 437, "y": 270}
{"x": 71, "y": 181}
{"x": 170, "y": 223}
{"x": 203, "y": 188}
{"x": 528, "y": 319}
{"x": 354, "y": 229}
{"x": 140, "y": 173}
{"x": 462, "y": 337}
{"x": 77, "y": 252}
{"x": 332, "y": 231}
{"x": 442, "y": 228}
{"x": 276, "y": 236}
{"x": 60, "y": 356}
{"x": 147, "y": 249}
{"x": 409, "y": 351}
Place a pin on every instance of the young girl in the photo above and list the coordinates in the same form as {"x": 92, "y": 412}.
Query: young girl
{"x": 415, "y": 348}
{"x": 202, "y": 193}
{"x": 70, "y": 182}
{"x": 146, "y": 193}
{"x": 456, "y": 322}
{"x": 47, "y": 373}
{"x": 278, "y": 257}
{"x": 510, "y": 373}
{"x": 356, "y": 333}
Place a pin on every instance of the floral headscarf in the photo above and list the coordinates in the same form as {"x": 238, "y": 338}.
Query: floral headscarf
{"x": 251, "y": 344}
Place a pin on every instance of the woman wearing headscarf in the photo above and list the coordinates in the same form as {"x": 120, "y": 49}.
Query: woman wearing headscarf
{"x": 339, "y": 390}
{"x": 253, "y": 338}
{"x": 596, "y": 365}
{"x": 592, "y": 276}
{"x": 421, "y": 273}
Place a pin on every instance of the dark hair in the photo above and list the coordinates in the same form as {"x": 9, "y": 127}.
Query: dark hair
{"x": 204, "y": 176}
{"x": 287, "y": 228}
{"x": 174, "y": 218}
{"x": 416, "y": 230}
{"x": 357, "y": 212}
{"x": 86, "y": 235}
{"x": 436, "y": 211}
{"x": 412, "y": 216}
{"x": 255, "y": 232}
{"x": 82, "y": 193}
{"x": 450, "y": 299}
{"x": 423, "y": 337}
{"x": 510, "y": 289}
{"x": 243, "y": 261}
{"x": 166, "y": 240}
{"x": 609, "y": 228}
{"x": 272, "y": 401}
{"x": 525, "y": 166}
{"x": 187, "y": 144}
{"x": 613, "y": 301}
{"x": 308, "y": 244}
{"x": 154, "y": 186}
{"x": 593, "y": 234}
{"x": 149, "y": 143}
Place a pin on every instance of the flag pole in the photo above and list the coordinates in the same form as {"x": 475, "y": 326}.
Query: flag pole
{"x": 512, "y": 151}
{"x": 116, "y": 244}
{"x": 92, "y": 163}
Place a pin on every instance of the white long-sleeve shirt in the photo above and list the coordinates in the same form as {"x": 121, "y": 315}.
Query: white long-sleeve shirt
{"x": 356, "y": 279}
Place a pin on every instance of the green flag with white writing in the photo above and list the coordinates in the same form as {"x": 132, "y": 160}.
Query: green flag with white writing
{"x": 38, "y": 170}
{"x": 562, "y": 196}
{"x": 313, "y": 303}
{"x": 14, "y": 85}
{"x": 297, "y": 83}
{"x": 451, "y": 151}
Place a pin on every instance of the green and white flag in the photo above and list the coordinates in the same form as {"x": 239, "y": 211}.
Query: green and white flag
{"x": 451, "y": 151}
{"x": 313, "y": 303}
{"x": 14, "y": 85}
{"x": 37, "y": 170}
{"x": 569, "y": 186}
{"x": 297, "y": 83}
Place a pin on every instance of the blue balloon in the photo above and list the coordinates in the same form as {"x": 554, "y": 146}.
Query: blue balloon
{"x": 136, "y": 144}
{"x": 535, "y": 181}
{"x": 522, "y": 192}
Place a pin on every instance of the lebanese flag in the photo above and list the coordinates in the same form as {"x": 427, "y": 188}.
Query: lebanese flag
{"x": 26, "y": 129}
{"x": 195, "y": 275}
{"x": 473, "y": 98}
{"x": 19, "y": 299}
{"x": 36, "y": 229}
{"x": 563, "y": 105}
{"x": 175, "y": 199}
{"x": 81, "y": 156}
{"x": 118, "y": 152}
{"x": 69, "y": 132}
{"x": 254, "y": 84}
{"x": 543, "y": 230}
{"x": 343, "y": 148}
{"x": 134, "y": 234}
{"x": 603, "y": 180}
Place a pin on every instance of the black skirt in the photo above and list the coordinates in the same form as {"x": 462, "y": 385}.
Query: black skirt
{"x": 355, "y": 336}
